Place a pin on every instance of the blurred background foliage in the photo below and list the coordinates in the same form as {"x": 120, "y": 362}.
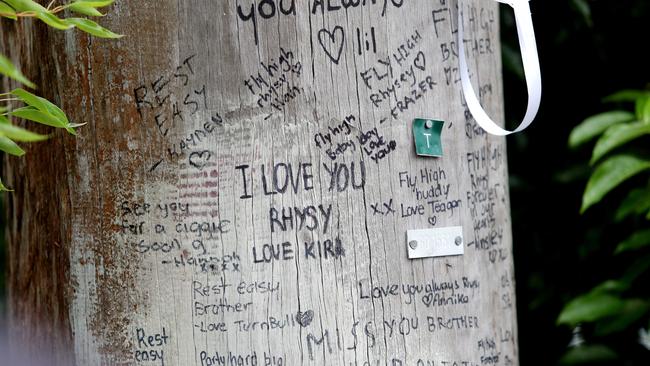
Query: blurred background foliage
{"x": 588, "y": 50}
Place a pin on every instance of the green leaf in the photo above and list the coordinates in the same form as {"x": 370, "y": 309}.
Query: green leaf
{"x": 595, "y": 125}
{"x": 97, "y": 3}
{"x": 636, "y": 241}
{"x": 7, "y": 68}
{"x": 636, "y": 202}
{"x": 93, "y": 28}
{"x": 640, "y": 107}
{"x": 23, "y": 5}
{"x": 10, "y": 147}
{"x": 89, "y": 7}
{"x": 588, "y": 354}
{"x": 627, "y": 96}
{"x": 589, "y": 307}
{"x": 618, "y": 135}
{"x": 3, "y": 188}
{"x": 7, "y": 12}
{"x": 33, "y": 114}
{"x": 632, "y": 311}
{"x": 609, "y": 174}
{"x": 81, "y": 8}
{"x": 42, "y": 105}
{"x": 53, "y": 21}
{"x": 41, "y": 13}
{"x": 644, "y": 113}
{"x": 20, "y": 134}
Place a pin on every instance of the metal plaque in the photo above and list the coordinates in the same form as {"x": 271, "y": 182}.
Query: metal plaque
{"x": 439, "y": 242}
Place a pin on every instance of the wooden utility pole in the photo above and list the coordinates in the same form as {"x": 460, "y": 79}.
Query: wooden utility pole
{"x": 245, "y": 189}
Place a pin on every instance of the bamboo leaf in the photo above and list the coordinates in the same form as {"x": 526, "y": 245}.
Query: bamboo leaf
{"x": 20, "y": 134}
{"x": 89, "y": 7}
{"x": 85, "y": 9}
{"x": 42, "y": 105}
{"x": 7, "y": 68}
{"x": 23, "y": 5}
{"x": 589, "y": 307}
{"x": 636, "y": 241}
{"x": 596, "y": 125}
{"x": 10, "y": 147}
{"x": 97, "y": 3}
{"x": 609, "y": 174}
{"x": 93, "y": 28}
{"x": 33, "y": 114}
{"x": 7, "y": 12}
{"x": 53, "y": 21}
{"x": 616, "y": 136}
{"x": 41, "y": 13}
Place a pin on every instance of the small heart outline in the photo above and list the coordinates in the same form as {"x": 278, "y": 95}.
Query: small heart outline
{"x": 197, "y": 159}
{"x": 427, "y": 300}
{"x": 304, "y": 318}
{"x": 420, "y": 58}
{"x": 324, "y": 35}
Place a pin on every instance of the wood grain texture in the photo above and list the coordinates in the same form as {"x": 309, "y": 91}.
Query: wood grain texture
{"x": 242, "y": 191}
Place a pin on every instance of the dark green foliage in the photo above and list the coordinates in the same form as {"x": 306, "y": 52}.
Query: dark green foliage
{"x": 624, "y": 307}
{"x": 588, "y": 49}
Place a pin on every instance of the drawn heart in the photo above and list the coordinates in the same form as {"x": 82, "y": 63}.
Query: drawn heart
{"x": 427, "y": 299}
{"x": 432, "y": 220}
{"x": 305, "y": 318}
{"x": 332, "y": 41}
{"x": 199, "y": 159}
{"x": 419, "y": 61}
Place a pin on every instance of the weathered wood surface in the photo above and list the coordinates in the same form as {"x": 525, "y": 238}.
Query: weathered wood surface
{"x": 242, "y": 191}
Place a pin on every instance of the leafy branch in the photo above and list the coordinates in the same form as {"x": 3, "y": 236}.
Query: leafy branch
{"x": 19, "y": 103}
{"x": 621, "y": 304}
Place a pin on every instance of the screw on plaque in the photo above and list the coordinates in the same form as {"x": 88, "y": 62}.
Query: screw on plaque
{"x": 458, "y": 240}
{"x": 426, "y": 134}
{"x": 413, "y": 244}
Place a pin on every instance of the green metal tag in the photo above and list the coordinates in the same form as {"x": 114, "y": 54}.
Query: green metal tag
{"x": 426, "y": 133}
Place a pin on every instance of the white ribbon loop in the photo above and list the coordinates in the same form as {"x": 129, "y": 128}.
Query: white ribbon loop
{"x": 530, "y": 60}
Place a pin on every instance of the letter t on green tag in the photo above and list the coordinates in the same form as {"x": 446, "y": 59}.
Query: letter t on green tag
{"x": 426, "y": 134}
